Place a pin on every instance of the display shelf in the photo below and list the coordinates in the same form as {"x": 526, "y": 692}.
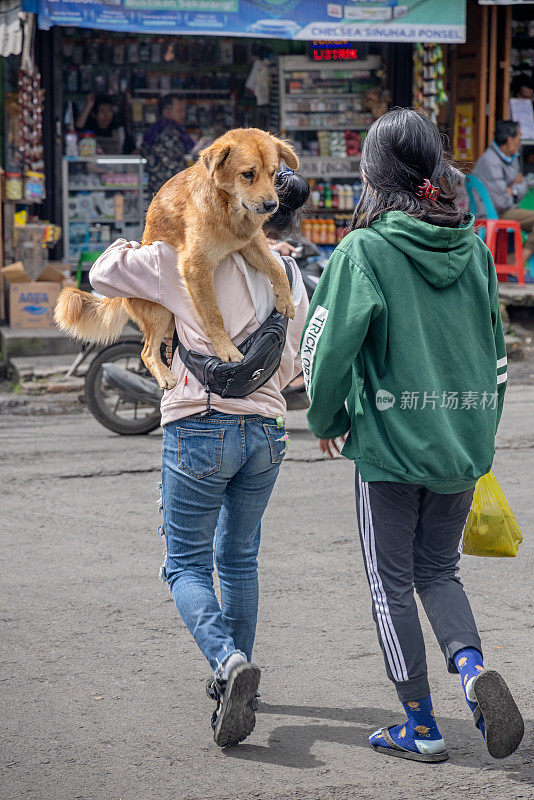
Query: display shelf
{"x": 329, "y": 167}
{"x": 189, "y": 92}
{"x": 325, "y": 127}
{"x": 320, "y": 94}
{"x": 87, "y": 208}
{"x": 331, "y": 212}
{"x": 324, "y": 109}
{"x": 105, "y": 221}
{"x": 127, "y": 187}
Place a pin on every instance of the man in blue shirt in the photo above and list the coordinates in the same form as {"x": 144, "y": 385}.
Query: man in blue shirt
{"x": 498, "y": 168}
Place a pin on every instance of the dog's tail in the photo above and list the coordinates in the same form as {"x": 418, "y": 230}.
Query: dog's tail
{"x": 86, "y": 317}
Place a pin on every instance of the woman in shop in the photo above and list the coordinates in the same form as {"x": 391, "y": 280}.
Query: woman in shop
{"x": 391, "y": 351}
{"x": 219, "y": 468}
{"x": 98, "y": 118}
{"x": 167, "y": 143}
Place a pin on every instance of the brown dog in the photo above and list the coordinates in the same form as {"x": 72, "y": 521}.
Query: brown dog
{"x": 214, "y": 208}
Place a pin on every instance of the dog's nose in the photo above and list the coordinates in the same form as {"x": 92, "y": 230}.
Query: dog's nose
{"x": 270, "y": 205}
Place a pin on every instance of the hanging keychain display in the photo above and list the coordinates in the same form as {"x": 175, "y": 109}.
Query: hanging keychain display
{"x": 429, "y": 87}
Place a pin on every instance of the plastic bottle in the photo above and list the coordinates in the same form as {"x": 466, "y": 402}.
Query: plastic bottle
{"x": 306, "y": 228}
{"x": 331, "y": 232}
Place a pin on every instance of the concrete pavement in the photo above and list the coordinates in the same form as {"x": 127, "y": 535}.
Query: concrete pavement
{"x": 102, "y": 689}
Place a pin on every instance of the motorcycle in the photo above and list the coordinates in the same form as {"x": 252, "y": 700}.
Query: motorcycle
{"x": 122, "y": 394}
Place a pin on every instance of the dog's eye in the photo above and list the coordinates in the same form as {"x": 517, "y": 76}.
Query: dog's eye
{"x": 248, "y": 175}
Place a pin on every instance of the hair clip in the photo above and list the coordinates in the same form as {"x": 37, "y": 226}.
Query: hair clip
{"x": 286, "y": 171}
{"x": 427, "y": 191}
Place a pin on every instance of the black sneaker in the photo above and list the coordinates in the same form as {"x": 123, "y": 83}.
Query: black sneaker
{"x": 213, "y": 692}
{"x": 234, "y": 718}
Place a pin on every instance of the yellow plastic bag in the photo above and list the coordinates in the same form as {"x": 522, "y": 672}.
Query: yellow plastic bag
{"x": 491, "y": 528}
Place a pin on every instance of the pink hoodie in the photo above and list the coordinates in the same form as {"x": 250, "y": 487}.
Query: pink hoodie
{"x": 245, "y": 297}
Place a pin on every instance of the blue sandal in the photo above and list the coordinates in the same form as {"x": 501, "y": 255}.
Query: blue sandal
{"x": 397, "y": 751}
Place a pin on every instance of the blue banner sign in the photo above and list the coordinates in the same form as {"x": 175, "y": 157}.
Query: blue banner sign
{"x": 353, "y": 20}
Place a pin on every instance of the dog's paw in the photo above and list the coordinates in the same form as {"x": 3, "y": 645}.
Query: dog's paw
{"x": 229, "y": 352}
{"x": 167, "y": 380}
{"x": 285, "y": 306}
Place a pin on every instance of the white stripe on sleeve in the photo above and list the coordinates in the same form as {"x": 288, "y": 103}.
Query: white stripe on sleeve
{"x": 502, "y": 362}
{"x": 309, "y": 343}
{"x": 502, "y": 378}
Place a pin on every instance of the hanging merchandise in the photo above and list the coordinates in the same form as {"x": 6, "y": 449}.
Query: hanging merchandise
{"x": 259, "y": 81}
{"x": 30, "y": 118}
{"x": 11, "y": 28}
{"x": 429, "y": 88}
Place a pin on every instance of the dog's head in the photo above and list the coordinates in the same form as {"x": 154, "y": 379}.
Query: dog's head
{"x": 244, "y": 162}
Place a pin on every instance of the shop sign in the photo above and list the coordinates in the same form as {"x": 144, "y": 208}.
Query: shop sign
{"x": 337, "y": 51}
{"x": 308, "y": 20}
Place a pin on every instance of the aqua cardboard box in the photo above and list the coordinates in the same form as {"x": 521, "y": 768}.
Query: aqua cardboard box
{"x": 31, "y": 303}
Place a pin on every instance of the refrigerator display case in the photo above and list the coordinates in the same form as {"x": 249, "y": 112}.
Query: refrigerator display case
{"x": 102, "y": 201}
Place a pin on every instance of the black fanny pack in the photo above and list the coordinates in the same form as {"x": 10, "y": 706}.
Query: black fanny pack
{"x": 262, "y": 352}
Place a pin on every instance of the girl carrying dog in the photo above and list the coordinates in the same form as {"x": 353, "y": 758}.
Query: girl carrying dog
{"x": 404, "y": 357}
{"x": 219, "y": 466}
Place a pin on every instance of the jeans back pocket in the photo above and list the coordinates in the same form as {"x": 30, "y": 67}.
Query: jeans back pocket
{"x": 277, "y": 441}
{"x": 200, "y": 451}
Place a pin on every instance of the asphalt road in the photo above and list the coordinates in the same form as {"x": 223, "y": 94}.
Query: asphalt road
{"x": 102, "y": 689}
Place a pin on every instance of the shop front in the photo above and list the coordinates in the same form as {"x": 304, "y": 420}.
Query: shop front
{"x": 108, "y": 71}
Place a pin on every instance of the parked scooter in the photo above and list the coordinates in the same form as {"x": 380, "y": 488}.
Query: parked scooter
{"x": 119, "y": 390}
{"x": 122, "y": 394}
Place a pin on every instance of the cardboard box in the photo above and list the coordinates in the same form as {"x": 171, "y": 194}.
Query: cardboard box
{"x": 31, "y": 303}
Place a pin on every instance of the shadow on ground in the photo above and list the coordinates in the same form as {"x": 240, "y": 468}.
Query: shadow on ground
{"x": 290, "y": 745}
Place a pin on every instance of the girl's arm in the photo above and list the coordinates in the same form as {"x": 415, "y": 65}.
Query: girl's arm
{"x": 342, "y": 308}
{"x": 82, "y": 118}
{"x": 127, "y": 269}
{"x": 295, "y": 328}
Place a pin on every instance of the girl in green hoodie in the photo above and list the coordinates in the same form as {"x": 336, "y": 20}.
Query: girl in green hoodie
{"x": 404, "y": 358}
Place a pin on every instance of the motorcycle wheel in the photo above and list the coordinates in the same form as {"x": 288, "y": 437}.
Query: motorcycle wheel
{"x": 104, "y": 404}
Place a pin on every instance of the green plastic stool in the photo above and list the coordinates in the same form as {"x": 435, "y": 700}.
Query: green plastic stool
{"x": 87, "y": 258}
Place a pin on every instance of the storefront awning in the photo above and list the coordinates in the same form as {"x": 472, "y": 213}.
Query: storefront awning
{"x": 354, "y": 20}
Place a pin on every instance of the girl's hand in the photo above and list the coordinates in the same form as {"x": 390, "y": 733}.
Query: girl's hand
{"x": 330, "y": 445}
{"x": 168, "y": 351}
{"x": 284, "y": 248}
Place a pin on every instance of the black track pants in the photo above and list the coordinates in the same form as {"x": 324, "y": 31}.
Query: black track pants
{"x": 410, "y": 538}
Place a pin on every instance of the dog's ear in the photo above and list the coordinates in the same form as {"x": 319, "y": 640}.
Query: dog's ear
{"x": 214, "y": 156}
{"x": 287, "y": 154}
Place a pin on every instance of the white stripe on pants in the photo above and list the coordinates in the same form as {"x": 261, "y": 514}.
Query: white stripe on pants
{"x": 389, "y": 636}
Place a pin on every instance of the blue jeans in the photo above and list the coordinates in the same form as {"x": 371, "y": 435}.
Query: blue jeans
{"x": 218, "y": 473}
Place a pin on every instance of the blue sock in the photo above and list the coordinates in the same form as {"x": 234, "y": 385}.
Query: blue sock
{"x": 469, "y": 664}
{"x": 419, "y": 733}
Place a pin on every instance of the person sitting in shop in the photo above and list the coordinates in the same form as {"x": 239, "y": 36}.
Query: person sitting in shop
{"x": 498, "y": 169}
{"x": 98, "y": 118}
{"x": 167, "y": 143}
{"x": 523, "y": 87}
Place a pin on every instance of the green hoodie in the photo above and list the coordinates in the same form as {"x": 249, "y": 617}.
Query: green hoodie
{"x": 404, "y": 348}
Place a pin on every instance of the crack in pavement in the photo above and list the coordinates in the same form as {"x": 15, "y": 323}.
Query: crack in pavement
{"x": 113, "y": 473}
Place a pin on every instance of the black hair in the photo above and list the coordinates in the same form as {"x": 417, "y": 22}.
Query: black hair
{"x": 102, "y": 100}
{"x": 401, "y": 149}
{"x": 167, "y": 101}
{"x": 521, "y": 80}
{"x": 293, "y": 191}
{"x": 504, "y": 129}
